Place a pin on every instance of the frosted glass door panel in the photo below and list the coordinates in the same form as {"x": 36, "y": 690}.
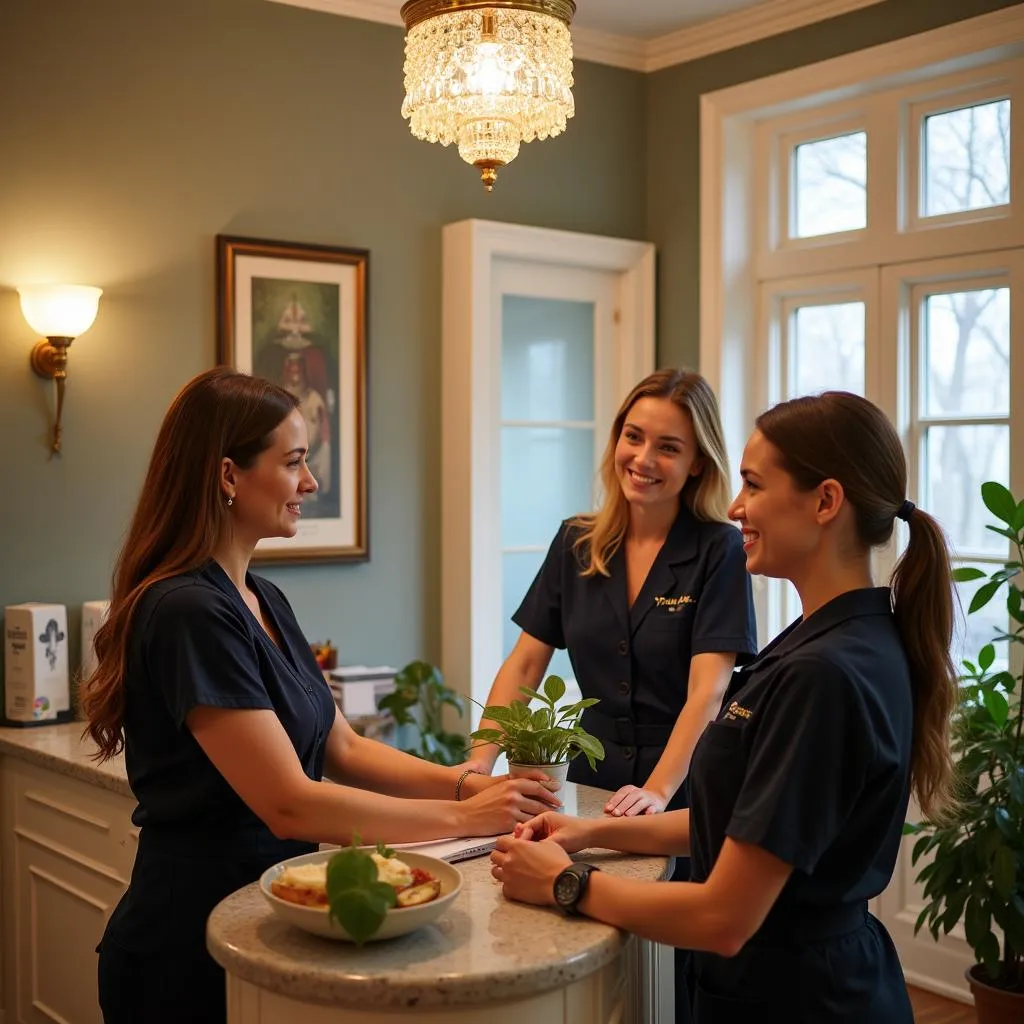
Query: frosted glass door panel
{"x": 518, "y": 571}
{"x": 546, "y": 476}
{"x": 547, "y": 359}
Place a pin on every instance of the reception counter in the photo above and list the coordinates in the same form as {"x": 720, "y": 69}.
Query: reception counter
{"x": 67, "y": 850}
{"x": 485, "y": 959}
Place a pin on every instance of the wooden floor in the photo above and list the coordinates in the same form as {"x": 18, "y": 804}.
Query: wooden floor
{"x": 932, "y": 1009}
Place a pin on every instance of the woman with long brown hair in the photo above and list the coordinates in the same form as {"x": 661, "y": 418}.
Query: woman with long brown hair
{"x": 205, "y": 680}
{"x": 800, "y": 787}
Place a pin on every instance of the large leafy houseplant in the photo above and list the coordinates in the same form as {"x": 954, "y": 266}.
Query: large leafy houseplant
{"x": 976, "y": 865}
{"x": 418, "y": 701}
{"x": 547, "y": 735}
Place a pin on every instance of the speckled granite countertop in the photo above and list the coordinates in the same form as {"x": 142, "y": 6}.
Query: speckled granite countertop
{"x": 482, "y": 950}
{"x": 62, "y": 749}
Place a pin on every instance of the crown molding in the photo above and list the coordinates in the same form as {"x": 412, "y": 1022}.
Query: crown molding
{"x": 607, "y": 48}
{"x": 769, "y": 18}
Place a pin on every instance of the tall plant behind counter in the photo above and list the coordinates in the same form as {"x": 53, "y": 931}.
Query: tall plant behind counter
{"x": 976, "y": 870}
{"x": 417, "y": 705}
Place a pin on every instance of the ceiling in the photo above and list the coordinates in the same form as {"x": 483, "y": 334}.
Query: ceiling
{"x": 648, "y": 19}
{"x": 646, "y": 35}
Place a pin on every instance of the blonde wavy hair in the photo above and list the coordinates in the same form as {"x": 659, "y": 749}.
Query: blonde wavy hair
{"x": 706, "y": 495}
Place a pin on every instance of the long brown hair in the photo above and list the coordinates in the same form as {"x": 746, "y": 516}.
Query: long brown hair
{"x": 180, "y": 517}
{"x": 706, "y": 495}
{"x": 844, "y": 437}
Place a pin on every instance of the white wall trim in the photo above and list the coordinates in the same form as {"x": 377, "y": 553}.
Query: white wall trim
{"x": 769, "y": 18}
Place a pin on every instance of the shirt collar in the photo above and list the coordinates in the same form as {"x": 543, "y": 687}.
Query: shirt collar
{"x": 865, "y": 601}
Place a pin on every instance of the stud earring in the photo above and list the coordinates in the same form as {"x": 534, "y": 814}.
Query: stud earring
{"x": 231, "y": 502}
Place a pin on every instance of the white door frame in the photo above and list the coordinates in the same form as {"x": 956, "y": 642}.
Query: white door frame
{"x": 471, "y": 613}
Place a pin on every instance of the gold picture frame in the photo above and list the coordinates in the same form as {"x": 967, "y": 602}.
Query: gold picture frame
{"x": 297, "y": 314}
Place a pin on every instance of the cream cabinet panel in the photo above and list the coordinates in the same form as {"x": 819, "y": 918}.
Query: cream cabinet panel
{"x": 68, "y": 849}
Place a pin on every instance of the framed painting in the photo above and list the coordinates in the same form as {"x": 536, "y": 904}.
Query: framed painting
{"x": 296, "y": 314}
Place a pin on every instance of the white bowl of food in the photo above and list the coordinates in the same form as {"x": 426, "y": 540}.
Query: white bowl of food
{"x": 425, "y": 887}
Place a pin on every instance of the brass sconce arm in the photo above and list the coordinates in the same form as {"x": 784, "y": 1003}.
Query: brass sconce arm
{"x": 50, "y": 360}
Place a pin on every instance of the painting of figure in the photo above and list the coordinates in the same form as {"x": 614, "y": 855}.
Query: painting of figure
{"x": 295, "y": 331}
{"x": 295, "y": 313}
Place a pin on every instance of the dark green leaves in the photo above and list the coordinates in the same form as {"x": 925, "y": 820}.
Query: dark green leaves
{"x": 971, "y": 864}
{"x": 418, "y": 702}
{"x": 357, "y": 900}
{"x": 547, "y": 735}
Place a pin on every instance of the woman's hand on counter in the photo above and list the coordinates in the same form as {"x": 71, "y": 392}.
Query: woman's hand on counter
{"x": 632, "y": 800}
{"x": 527, "y": 870}
{"x": 499, "y": 804}
{"x": 571, "y": 834}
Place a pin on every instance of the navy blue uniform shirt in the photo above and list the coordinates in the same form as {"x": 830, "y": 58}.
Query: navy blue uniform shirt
{"x": 636, "y": 660}
{"x": 809, "y": 759}
{"x": 194, "y": 642}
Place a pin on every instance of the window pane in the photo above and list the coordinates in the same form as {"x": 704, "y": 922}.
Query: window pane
{"x": 547, "y": 359}
{"x": 974, "y": 631}
{"x": 967, "y": 353}
{"x": 958, "y": 460}
{"x": 967, "y": 158}
{"x": 518, "y": 570}
{"x": 827, "y": 349}
{"x": 830, "y": 186}
{"x": 547, "y": 475}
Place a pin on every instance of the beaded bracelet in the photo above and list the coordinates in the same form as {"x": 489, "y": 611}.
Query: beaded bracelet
{"x": 462, "y": 779}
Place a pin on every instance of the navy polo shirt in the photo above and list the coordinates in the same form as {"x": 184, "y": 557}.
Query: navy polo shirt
{"x": 810, "y": 760}
{"x": 195, "y": 642}
{"x": 636, "y": 660}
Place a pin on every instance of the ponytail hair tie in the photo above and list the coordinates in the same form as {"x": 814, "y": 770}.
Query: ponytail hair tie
{"x": 904, "y": 511}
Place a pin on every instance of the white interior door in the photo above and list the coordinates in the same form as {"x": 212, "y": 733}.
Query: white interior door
{"x": 544, "y": 334}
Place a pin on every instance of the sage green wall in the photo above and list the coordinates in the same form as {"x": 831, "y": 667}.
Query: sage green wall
{"x": 133, "y": 132}
{"x": 673, "y": 141}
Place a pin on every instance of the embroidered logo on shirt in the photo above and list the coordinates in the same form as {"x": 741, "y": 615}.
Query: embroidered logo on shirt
{"x": 736, "y": 710}
{"x": 674, "y": 605}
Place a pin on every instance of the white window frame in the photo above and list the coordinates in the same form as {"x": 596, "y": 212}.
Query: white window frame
{"x": 733, "y": 260}
{"x": 471, "y": 567}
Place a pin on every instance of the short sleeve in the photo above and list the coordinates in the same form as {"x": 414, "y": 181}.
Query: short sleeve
{"x": 724, "y": 619}
{"x": 808, "y": 763}
{"x": 198, "y": 652}
{"x": 540, "y": 613}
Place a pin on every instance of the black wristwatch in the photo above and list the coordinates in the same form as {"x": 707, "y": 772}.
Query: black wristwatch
{"x": 570, "y": 885}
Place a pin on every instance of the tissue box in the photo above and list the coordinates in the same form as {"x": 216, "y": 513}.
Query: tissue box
{"x": 35, "y": 662}
{"x": 94, "y": 614}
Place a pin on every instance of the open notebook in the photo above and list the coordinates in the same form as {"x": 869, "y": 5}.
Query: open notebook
{"x": 451, "y": 850}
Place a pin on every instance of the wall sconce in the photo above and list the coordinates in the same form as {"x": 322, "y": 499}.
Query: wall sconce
{"x": 61, "y": 312}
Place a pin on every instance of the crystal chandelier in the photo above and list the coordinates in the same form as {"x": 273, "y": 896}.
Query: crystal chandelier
{"x": 487, "y": 75}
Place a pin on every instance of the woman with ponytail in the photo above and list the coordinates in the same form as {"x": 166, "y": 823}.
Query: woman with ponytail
{"x": 228, "y": 728}
{"x": 800, "y": 788}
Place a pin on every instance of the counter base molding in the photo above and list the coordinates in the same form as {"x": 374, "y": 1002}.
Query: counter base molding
{"x": 600, "y": 998}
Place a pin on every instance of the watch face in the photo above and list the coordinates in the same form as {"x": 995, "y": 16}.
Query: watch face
{"x": 567, "y": 887}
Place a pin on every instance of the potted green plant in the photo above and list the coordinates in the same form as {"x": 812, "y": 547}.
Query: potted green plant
{"x": 418, "y": 702}
{"x": 547, "y": 738}
{"x": 975, "y": 869}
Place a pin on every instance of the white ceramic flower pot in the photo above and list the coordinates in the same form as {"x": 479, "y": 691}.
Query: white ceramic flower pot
{"x": 557, "y": 772}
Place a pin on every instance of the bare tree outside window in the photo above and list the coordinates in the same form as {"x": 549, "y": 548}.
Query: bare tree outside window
{"x": 830, "y": 185}
{"x": 967, "y": 159}
{"x": 827, "y": 349}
